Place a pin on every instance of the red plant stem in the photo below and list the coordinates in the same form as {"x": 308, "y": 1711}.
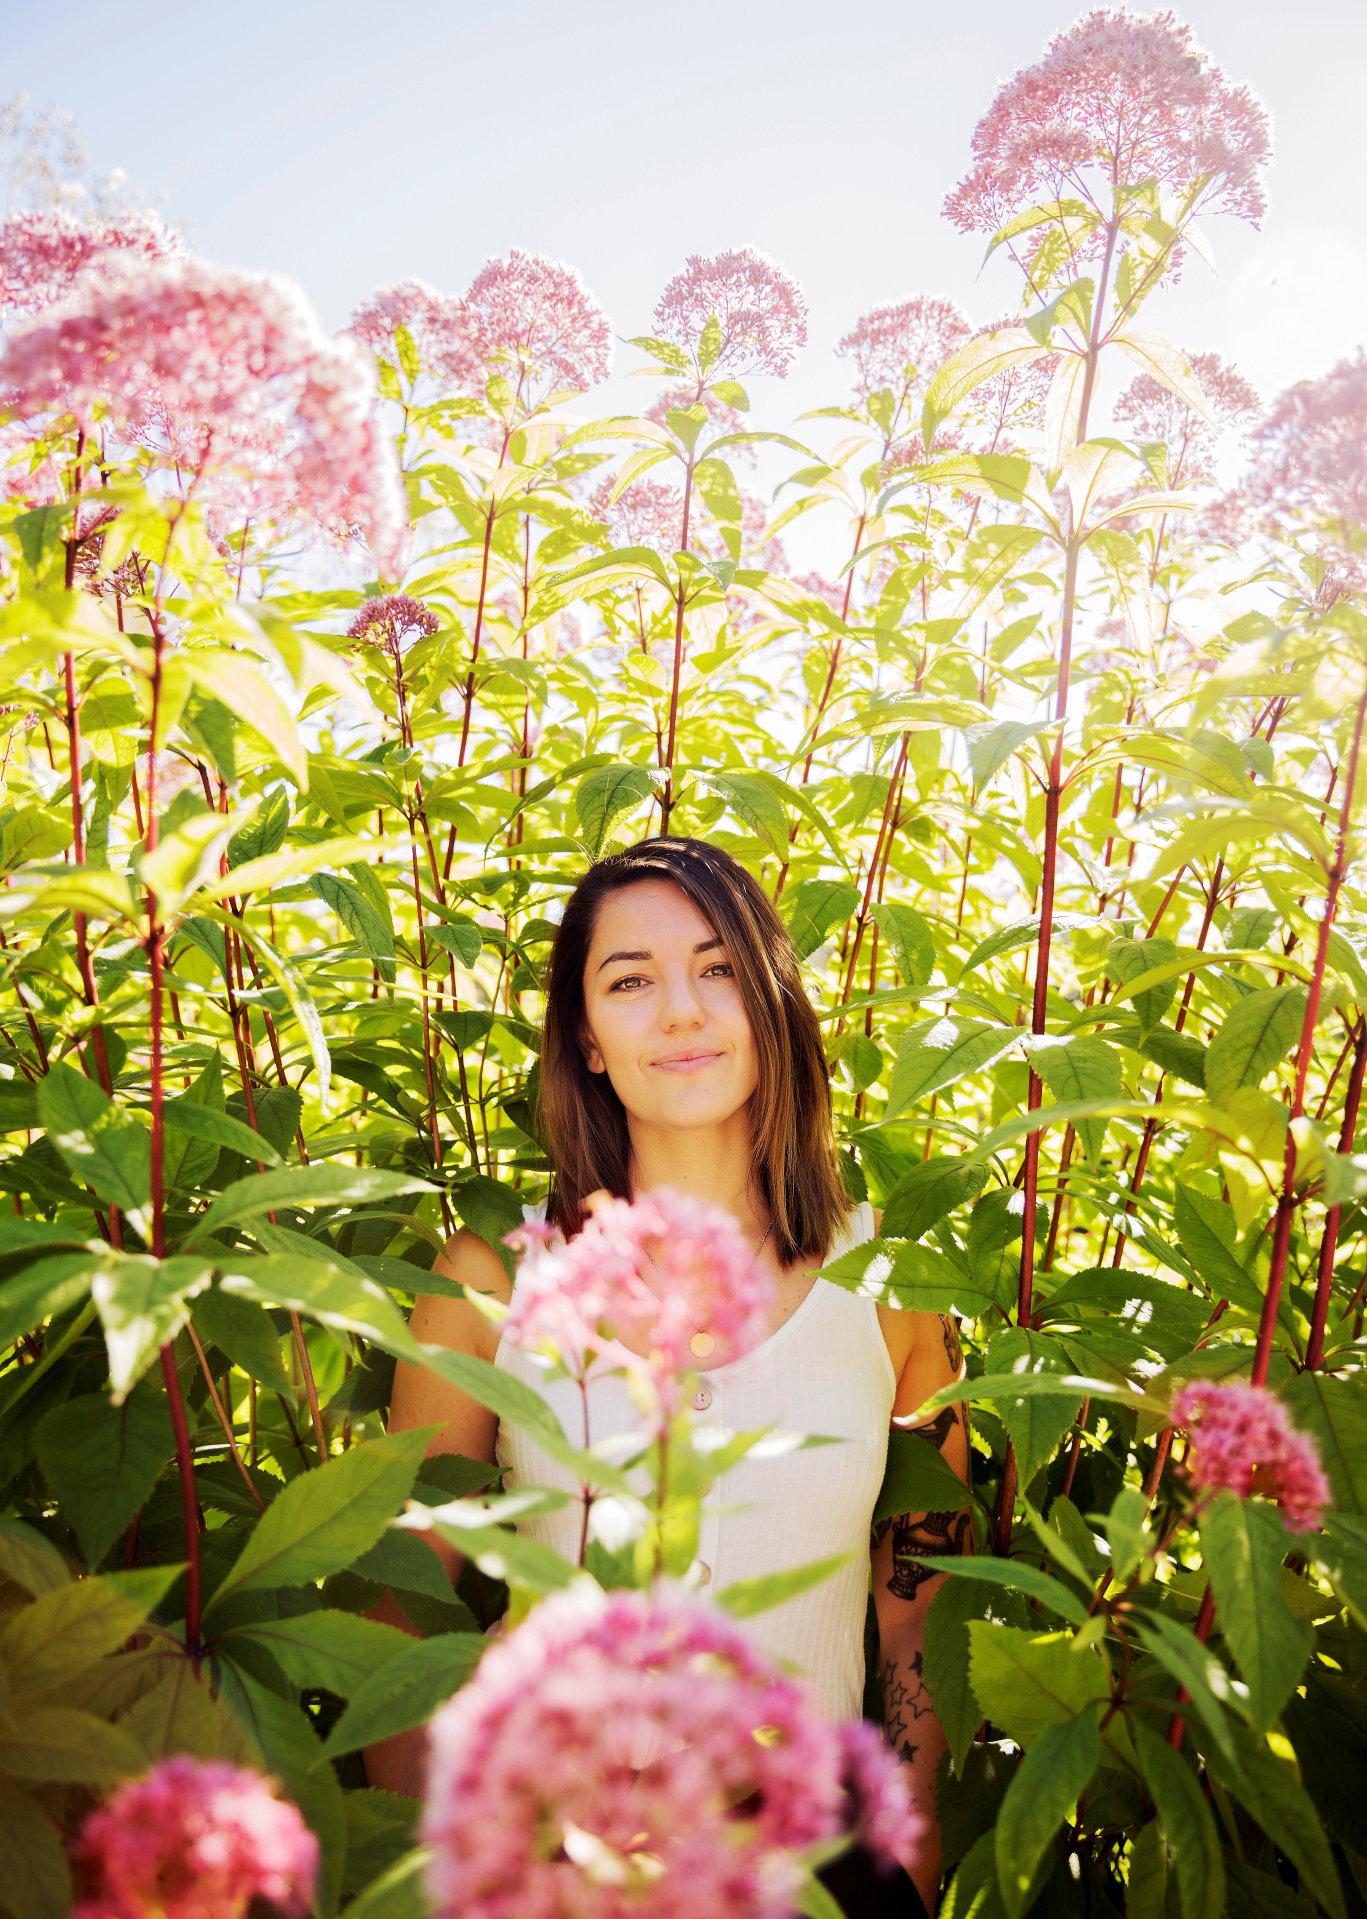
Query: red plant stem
{"x": 1052, "y": 795}
{"x": 156, "y": 956}
{"x": 490, "y": 516}
{"x": 1314, "y": 1350}
{"x": 680, "y": 601}
{"x": 1286, "y": 1199}
{"x": 1205, "y": 1619}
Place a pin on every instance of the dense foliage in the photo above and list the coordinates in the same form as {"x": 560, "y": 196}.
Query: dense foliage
{"x": 1056, "y": 785}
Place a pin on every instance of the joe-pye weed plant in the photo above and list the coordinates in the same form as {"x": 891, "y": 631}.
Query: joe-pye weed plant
{"x": 1056, "y": 784}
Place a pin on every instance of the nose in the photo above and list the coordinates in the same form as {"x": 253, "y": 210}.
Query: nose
{"x": 682, "y": 1003}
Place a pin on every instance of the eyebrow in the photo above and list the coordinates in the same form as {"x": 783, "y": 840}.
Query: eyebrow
{"x": 703, "y": 946}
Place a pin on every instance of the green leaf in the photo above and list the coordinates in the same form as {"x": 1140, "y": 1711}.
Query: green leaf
{"x": 984, "y": 356}
{"x": 369, "y": 928}
{"x": 406, "y": 1691}
{"x": 1206, "y": 1230}
{"x": 1036, "y": 1421}
{"x": 936, "y": 1053}
{"x": 926, "y": 1193}
{"x": 45, "y": 1643}
{"x": 142, "y": 1303}
{"x": 51, "y": 1286}
{"x": 1016, "y": 1575}
{"x": 1194, "y": 1666}
{"x": 37, "y": 1875}
{"x": 102, "y": 1461}
{"x": 1128, "y": 960}
{"x": 1080, "y": 1068}
{"x": 1271, "y": 1790}
{"x": 813, "y": 907}
{"x": 1334, "y": 1412}
{"x": 604, "y": 795}
{"x": 337, "y": 1650}
{"x": 63, "y": 1744}
{"x": 243, "y": 1330}
{"x": 743, "y": 1598}
{"x": 754, "y": 802}
{"x": 1046, "y": 1787}
{"x": 399, "y": 1892}
{"x": 253, "y": 701}
{"x": 325, "y": 1519}
{"x": 1015, "y": 938}
{"x": 1258, "y": 1034}
{"x": 323, "y": 1288}
{"x": 1244, "y": 1545}
{"x": 1025, "y": 1681}
{"x": 102, "y": 1146}
{"x": 1188, "y": 1827}
{"x": 944, "y": 1657}
{"x": 918, "y": 1479}
{"x": 909, "y": 940}
{"x": 204, "y": 1124}
{"x": 303, "y": 1186}
{"x": 189, "y": 1157}
{"x": 29, "y": 1560}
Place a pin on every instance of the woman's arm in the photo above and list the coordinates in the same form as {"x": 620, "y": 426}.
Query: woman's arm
{"x": 421, "y": 1399}
{"x": 903, "y": 1586}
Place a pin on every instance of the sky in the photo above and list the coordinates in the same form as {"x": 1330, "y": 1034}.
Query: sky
{"x": 352, "y": 144}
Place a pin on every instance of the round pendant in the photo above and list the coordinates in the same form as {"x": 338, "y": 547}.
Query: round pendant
{"x": 701, "y": 1345}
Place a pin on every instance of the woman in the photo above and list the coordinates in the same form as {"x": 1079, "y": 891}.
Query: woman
{"x": 680, "y": 1049}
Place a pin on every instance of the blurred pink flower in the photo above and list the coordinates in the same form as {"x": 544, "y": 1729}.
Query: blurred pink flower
{"x": 43, "y": 254}
{"x": 901, "y": 344}
{"x": 222, "y": 364}
{"x": 647, "y": 513}
{"x": 1242, "y": 1440}
{"x": 534, "y": 321}
{"x": 629, "y": 1753}
{"x": 1310, "y": 453}
{"x": 393, "y": 622}
{"x": 1130, "y": 94}
{"x": 1154, "y": 412}
{"x": 431, "y": 318}
{"x": 761, "y": 309}
{"x": 654, "y": 1270}
{"x": 195, "y": 1839}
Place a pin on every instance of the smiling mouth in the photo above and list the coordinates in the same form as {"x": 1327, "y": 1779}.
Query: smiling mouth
{"x": 693, "y": 1061}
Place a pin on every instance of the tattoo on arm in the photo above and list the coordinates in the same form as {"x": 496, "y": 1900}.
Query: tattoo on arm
{"x": 916, "y": 1537}
{"x": 905, "y": 1701}
{"x": 954, "y": 1352}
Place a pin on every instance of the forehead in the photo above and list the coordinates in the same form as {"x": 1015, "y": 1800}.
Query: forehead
{"x": 653, "y": 913}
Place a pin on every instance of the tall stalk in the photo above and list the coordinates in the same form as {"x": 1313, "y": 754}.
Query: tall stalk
{"x": 1286, "y": 1198}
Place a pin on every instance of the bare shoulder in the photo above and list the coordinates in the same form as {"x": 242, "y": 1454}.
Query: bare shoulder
{"x": 443, "y": 1321}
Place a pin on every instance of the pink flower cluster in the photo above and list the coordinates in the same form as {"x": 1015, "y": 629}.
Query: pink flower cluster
{"x": 195, "y": 1839}
{"x": 228, "y": 375}
{"x": 1310, "y": 454}
{"x": 632, "y": 1755}
{"x": 634, "y": 1284}
{"x": 760, "y": 308}
{"x": 431, "y": 320}
{"x": 649, "y": 512}
{"x": 393, "y": 622}
{"x": 42, "y": 255}
{"x": 531, "y": 319}
{"x": 900, "y": 345}
{"x": 1129, "y": 94}
{"x": 1242, "y": 1441}
{"x": 538, "y": 317}
{"x": 1154, "y": 412}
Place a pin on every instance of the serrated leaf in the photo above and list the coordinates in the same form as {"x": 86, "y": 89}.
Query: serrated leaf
{"x": 1257, "y": 1034}
{"x": 1056, "y": 1770}
{"x": 102, "y": 1461}
{"x": 406, "y": 1691}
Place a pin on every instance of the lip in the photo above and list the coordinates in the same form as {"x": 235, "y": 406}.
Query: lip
{"x": 687, "y": 1062}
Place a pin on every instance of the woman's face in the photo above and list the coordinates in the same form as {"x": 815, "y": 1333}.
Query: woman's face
{"x": 649, "y": 994}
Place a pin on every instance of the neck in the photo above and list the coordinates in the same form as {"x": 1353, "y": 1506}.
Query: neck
{"x": 710, "y": 1163}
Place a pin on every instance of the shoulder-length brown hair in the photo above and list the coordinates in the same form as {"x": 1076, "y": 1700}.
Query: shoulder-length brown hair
{"x": 582, "y": 1121}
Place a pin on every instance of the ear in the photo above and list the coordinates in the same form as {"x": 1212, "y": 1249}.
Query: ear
{"x": 593, "y": 1059}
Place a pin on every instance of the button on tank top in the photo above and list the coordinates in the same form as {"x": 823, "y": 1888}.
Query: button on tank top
{"x": 825, "y": 1370}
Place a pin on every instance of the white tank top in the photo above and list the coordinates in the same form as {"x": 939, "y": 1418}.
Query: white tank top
{"x": 825, "y": 1370}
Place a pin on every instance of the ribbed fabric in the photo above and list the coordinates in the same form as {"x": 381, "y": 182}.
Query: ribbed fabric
{"x": 826, "y": 1370}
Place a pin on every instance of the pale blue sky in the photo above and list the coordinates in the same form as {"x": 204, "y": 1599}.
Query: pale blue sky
{"x": 351, "y": 144}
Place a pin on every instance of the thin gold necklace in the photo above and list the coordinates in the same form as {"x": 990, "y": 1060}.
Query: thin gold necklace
{"x": 702, "y": 1342}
